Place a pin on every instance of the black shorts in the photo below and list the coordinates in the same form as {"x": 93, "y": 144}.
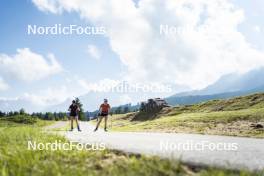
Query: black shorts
{"x": 104, "y": 114}
{"x": 73, "y": 114}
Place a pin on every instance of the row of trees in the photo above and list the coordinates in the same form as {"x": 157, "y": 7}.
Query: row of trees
{"x": 82, "y": 115}
{"x": 125, "y": 109}
{"x": 46, "y": 115}
{"x": 13, "y": 113}
{"x": 51, "y": 116}
{"x": 40, "y": 115}
{"x": 63, "y": 115}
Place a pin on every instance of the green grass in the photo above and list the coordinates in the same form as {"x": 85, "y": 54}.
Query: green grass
{"x": 17, "y": 160}
{"x": 237, "y": 103}
{"x": 221, "y": 117}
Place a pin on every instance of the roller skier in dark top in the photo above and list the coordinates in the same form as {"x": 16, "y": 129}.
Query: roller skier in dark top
{"x": 74, "y": 111}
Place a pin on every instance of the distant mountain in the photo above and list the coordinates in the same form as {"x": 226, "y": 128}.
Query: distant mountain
{"x": 62, "y": 107}
{"x": 231, "y": 83}
{"x": 92, "y": 100}
{"x": 226, "y": 87}
{"x": 237, "y": 82}
{"x": 193, "y": 99}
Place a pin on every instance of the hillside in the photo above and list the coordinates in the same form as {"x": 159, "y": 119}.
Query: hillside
{"x": 228, "y": 86}
{"x": 232, "y": 104}
{"x": 237, "y": 117}
{"x": 193, "y": 99}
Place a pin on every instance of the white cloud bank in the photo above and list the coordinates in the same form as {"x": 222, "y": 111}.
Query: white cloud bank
{"x": 49, "y": 96}
{"x": 3, "y": 85}
{"x": 94, "y": 52}
{"x": 49, "y": 5}
{"x": 28, "y": 66}
{"x": 193, "y": 58}
{"x": 38, "y": 100}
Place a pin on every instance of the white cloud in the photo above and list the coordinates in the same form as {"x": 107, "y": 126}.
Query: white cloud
{"x": 3, "y": 85}
{"x": 28, "y": 66}
{"x": 104, "y": 85}
{"x": 49, "y": 96}
{"x": 94, "y": 52}
{"x": 257, "y": 29}
{"x": 124, "y": 99}
{"x": 195, "y": 58}
{"x": 49, "y": 5}
{"x": 39, "y": 100}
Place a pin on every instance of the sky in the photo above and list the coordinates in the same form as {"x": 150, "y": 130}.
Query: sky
{"x": 216, "y": 38}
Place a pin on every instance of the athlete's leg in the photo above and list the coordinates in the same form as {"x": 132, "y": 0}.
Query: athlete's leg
{"x": 106, "y": 118}
{"x": 98, "y": 123}
{"x": 71, "y": 118}
{"x": 77, "y": 123}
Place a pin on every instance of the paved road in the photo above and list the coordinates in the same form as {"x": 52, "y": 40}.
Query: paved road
{"x": 233, "y": 152}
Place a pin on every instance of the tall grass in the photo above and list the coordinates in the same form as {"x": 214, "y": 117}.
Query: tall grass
{"x": 16, "y": 159}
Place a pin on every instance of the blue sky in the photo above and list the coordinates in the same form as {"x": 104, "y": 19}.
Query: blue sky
{"x": 70, "y": 51}
{"x": 133, "y": 50}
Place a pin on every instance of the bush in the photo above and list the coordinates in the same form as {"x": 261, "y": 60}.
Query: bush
{"x": 25, "y": 119}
